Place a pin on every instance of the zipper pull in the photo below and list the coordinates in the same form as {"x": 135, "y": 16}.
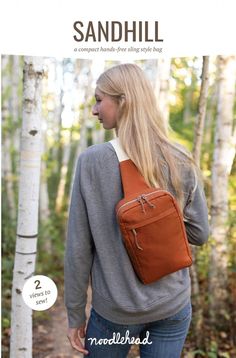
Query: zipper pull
{"x": 136, "y": 240}
{"x": 140, "y": 200}
{"x": 144, "y": 197}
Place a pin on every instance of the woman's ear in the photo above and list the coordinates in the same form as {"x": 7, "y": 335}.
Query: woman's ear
{"x": 122, "y": 99}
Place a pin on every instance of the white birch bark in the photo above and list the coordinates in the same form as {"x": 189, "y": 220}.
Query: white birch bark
{"x": 83, "y": 115}
{"x": 199, "y": 126}
{"x": 27, "y": 224}
{"x": 98, "y": 132}
{"x": 222, "y": 161}
{"x": 98, "y": 135}
{"x": 198, "y": 135}
{"x": 64, "y": 170}
{"x": 83, "y": 142}
{"x": 210, "y": 114}
{"x": 150, "y": 68}
{"x": 162, "y": 88}
{"x": 66, "y": 150}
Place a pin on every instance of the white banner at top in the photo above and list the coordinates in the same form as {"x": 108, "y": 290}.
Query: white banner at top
{"x": 119, "y": 30}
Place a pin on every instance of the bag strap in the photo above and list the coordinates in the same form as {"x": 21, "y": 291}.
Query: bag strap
{"x": 132, "y": 180}
{"x": 119, "y": 151}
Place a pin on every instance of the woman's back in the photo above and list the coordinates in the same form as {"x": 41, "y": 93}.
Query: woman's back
{"x": 117, "y": 292}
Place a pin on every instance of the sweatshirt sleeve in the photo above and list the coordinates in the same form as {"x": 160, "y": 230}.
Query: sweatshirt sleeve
{"x": 196, "y": 216}
{"x": 78, "y": 253}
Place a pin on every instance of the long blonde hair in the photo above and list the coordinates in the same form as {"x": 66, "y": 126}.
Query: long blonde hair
{"x": 141, "y": 129}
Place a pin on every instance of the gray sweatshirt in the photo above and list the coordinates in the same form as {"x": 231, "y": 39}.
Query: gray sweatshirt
{"x": 94, "y": 248}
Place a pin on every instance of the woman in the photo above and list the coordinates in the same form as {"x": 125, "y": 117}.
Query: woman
{"x": 123, "y": 309}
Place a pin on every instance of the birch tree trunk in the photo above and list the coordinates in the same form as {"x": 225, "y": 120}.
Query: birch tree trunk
{"x": 83, "y": 143}
{"x": 98, "y": 135}
{"x": 83, "y": 114}
{"x": 27, "y": 224}
{"x": 199, "y": 126}
{"x": 222, "y": 161}
{"x": 98, "y": 132}
{"x": 66, "y": 136}
{"x": 198, "y": 135}
{"x": 210, "y": 114}
{"x": 64, "y": 170}
{"x": 162, "y": 88}
{"x": 150, "y": 68}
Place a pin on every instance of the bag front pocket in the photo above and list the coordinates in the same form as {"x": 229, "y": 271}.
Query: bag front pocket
{"x": 157, "y": 246}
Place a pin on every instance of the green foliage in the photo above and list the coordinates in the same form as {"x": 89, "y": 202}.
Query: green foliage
{"x": 181, "y": 133}
{"x": 54, "y": 232}
{"x": 213, "y": 350}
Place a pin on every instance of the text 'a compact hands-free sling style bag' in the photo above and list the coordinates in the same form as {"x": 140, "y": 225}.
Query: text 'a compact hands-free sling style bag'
{"x": 151, "y": 224}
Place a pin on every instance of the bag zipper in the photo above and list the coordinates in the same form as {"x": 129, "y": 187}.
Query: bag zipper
{"x": 140, "y": 199}
{"x": 136, "y": 239}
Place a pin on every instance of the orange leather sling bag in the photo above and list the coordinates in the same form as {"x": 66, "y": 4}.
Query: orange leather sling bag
{"x": 151, "y": 224}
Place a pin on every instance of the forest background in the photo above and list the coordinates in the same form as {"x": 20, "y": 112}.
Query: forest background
{"x": 197, "y": 99}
